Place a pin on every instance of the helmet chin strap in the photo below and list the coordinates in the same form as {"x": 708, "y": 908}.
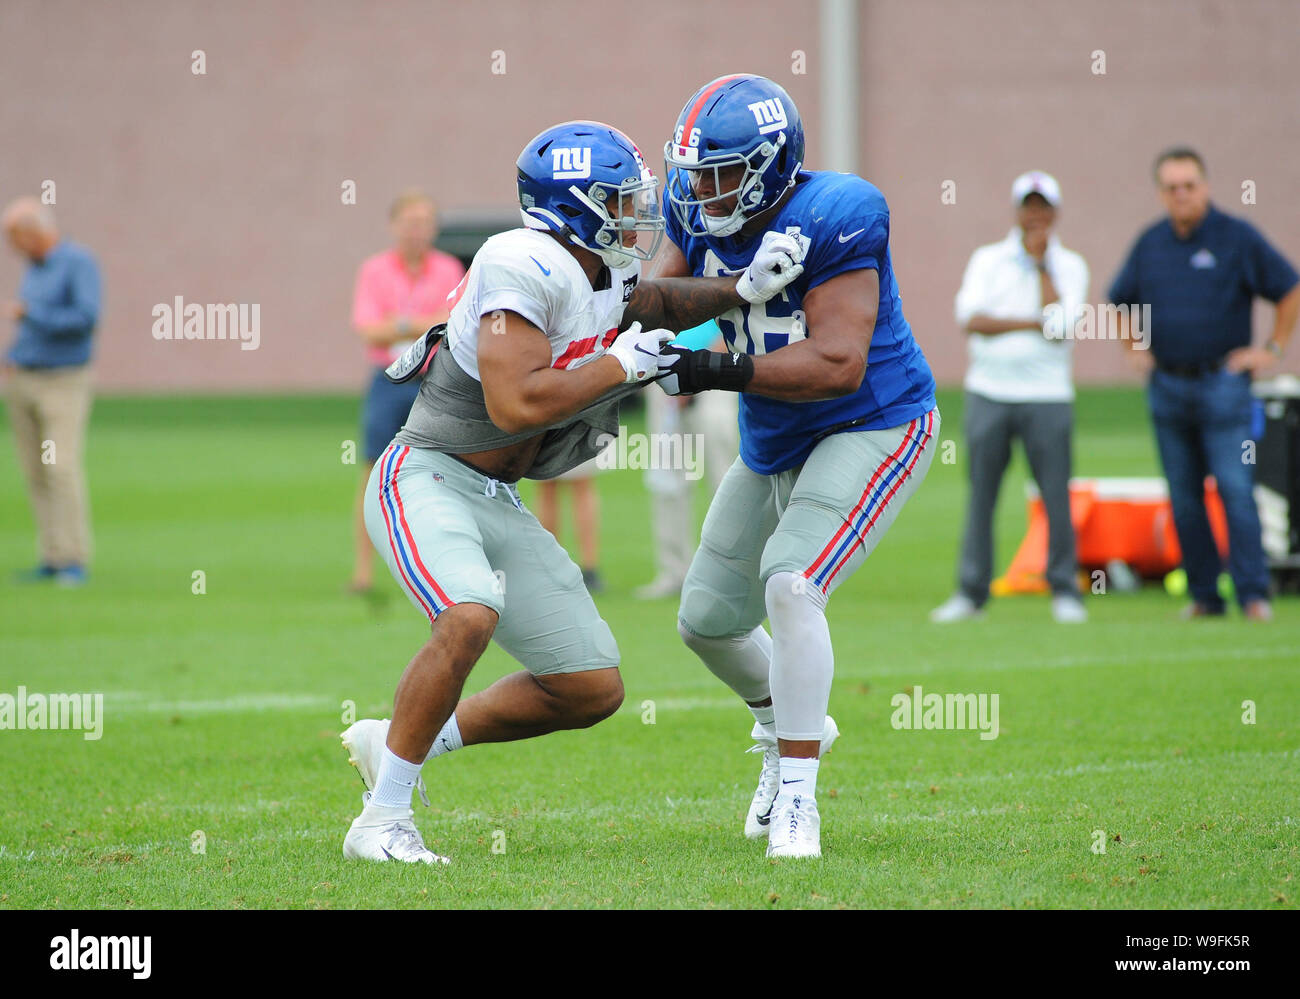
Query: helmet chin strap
{"x": 610, "y": 256}
{"x": 613, "y": 258}
{"x": 733, "y": 223}
{"x": 723, "y": 227}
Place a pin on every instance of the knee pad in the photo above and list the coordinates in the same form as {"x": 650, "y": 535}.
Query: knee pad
{"x": 705, "y": 614}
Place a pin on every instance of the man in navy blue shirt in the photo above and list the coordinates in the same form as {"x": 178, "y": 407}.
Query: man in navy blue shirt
{"x": 49, "y": 384}
{"x": 1200, "y": 271}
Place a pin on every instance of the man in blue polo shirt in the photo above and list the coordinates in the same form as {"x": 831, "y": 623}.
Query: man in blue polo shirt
{"x": 1200, "y": 271}
{"x": 49, "y": 384}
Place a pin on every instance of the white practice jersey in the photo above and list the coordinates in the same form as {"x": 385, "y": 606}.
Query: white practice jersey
{"x": 528, "y": 272}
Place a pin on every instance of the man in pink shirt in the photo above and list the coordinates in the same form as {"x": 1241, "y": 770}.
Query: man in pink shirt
{"x": 400, "y": 293}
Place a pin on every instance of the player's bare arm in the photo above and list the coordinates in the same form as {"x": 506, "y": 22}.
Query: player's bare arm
{"x": 680, "y": 303}
{"x": 832, "y": 360}
{"x": 522, "y": 390}
{"x": 675, "y": 300}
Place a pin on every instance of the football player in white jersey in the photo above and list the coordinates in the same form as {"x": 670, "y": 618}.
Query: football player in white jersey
{"x": 526, "y": 385}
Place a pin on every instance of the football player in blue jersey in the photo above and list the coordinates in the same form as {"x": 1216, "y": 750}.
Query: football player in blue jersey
{"x": 837, "y": 422}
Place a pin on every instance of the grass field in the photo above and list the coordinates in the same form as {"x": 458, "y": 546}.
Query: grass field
{"x": 222, "y": 713}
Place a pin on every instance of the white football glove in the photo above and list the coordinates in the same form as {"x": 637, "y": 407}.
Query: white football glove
{"x": 638, "y": 351}
{"x": 779, "y": 261}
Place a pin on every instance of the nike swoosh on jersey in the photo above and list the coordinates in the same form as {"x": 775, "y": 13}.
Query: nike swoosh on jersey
{"x": 544, "y": 270}
{"x": 843, "y": 238}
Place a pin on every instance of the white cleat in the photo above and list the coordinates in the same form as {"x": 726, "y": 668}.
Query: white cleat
{"x": 769, "y": 780}
{"x": 365, "y": 741}
{"x": 796, "y": 828}
{"x": 758, "y": 820}
{"x": 387, "y": 834}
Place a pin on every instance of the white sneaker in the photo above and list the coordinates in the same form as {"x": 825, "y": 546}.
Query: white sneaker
{"x": 958, "y": 607}
{"x": 796, "y": 828}
{"x": 758, "y": 819}
{"x": 365, "y": 741}
{"x": 1067, "y": 609}
{"x": 387, "y": 834}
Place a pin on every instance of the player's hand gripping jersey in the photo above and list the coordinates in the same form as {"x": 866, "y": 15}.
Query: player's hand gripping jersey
{"x": 842, "y": 222}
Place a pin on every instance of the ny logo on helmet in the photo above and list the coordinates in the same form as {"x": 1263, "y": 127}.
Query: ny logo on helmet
{"x": 769, "y": 115}
{"x": 569, "y": 164}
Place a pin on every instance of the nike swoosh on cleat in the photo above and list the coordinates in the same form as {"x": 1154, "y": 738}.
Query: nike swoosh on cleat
{"x": 843, "y": 238}
{"x": 544, "y": 270}
{"x": 386, "y": 853}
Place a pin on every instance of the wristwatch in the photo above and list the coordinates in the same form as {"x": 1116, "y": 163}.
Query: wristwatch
{"x": 1274, "y": 348}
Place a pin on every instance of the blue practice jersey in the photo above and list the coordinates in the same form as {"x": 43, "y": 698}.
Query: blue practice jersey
{"x": 843, "y": 224}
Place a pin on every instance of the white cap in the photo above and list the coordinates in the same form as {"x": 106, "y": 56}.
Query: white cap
{"x": 1036, "y": 182}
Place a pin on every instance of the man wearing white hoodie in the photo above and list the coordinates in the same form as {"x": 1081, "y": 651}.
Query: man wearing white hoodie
{"x": 1018, "y": 302}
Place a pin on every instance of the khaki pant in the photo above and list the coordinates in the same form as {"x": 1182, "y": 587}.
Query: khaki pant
{"x": 48, "y": 408}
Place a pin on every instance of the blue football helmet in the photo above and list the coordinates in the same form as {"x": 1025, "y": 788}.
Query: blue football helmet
{"x": 740, "y": 120}
{"x": 588, "y": 182}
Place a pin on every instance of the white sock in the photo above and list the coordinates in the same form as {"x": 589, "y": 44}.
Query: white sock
{"x": 396, "y": 779}
{"x": 742, "y": 662}
{"x": 798, "y": 776}
{"x": 446, "y": 740}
